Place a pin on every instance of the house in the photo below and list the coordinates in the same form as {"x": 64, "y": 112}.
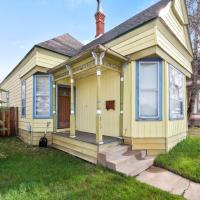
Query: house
{"x": 126, "y": 86}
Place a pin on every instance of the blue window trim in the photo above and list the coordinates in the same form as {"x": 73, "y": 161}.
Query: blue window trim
{"x": 182, "y": 116}
{"x": 23, "y": 115}
{"x": 50, "y": 116}
{"x": 160, "y": 79}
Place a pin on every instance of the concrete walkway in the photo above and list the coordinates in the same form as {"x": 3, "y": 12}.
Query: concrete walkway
{"x": 170, "y": 182}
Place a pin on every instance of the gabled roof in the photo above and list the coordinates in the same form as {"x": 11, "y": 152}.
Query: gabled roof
{"x": 64, "y": 44}
{"x": 132, "y": 23}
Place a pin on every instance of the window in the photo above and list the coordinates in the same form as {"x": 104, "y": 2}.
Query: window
{"x": 176, "y": 85}
{"x": 23, "y": 98}
{"x": 149, "y": 89}
{"x": 42, "y": 96}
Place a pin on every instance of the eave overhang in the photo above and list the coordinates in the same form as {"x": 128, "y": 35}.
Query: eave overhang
{"x": 88, "y": 53}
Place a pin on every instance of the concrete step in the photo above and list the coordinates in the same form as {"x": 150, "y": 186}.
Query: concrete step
{"x": 121, "y": 158}
{"x": 135, "y": 167}
{"x": 117, "y": 162}
{"x": 112, "y": 152}
{"x": 117, "y": 151}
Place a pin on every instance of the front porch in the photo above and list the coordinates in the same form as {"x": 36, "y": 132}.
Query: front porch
{"x": 88, "y": 102}
{"x": 89, "y": 138}
{"x": 83, "y": 145}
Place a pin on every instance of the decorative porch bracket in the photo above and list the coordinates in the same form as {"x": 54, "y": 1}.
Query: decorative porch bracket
{"x": 98, "y": 57}
{"x": 72, "y": 110}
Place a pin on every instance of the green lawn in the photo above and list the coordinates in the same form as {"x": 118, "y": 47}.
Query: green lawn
{"x": 183, "y": 159}
{"x": 28, "y": 173}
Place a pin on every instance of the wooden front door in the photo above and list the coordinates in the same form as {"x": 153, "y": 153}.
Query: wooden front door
{"x": 63, "y": 107}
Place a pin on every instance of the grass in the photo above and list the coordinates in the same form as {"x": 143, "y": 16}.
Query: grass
{"x": 183, "y": 159}
{"x": 28, "y": 173}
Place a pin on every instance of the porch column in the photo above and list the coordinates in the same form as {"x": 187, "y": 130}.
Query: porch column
{"x": 54, "y": 107}
{"x": 72, "y": 111}
{"x": 98, "y": 62}
{"x": 121, "y": 100}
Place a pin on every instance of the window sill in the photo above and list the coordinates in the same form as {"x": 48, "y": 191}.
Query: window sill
{"x": 176, "y": 119}
{"x": 148, "y": 119}
{"x": 42, "y": 117}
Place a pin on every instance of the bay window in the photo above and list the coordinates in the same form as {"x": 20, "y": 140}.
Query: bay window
{"x": 42, "y": 96}
{"x": 176, "y": 93}
{"x": 149, "y": 89}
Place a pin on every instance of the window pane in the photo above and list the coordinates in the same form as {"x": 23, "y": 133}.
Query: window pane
{"x": 42, "y": 107}
{"x": 148, "y": 103}
{"x": 23, "y": 98}
{"x": 148, "y": 75}
{"x": 176, "y": 93}
{"x": 148, "y": 89}
{"x": 42, "y": 86}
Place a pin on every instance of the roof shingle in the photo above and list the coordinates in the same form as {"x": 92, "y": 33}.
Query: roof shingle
{"x": 64, "y": 44}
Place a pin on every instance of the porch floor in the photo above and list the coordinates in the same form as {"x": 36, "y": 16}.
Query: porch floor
{"x": 89, "y": 137}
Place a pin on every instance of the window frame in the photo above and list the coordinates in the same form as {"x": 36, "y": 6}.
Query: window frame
{"x": 50, "y": 115}
{"x": 181, "y": 117}
{"x": 23, "y": 115}
{"x": 139, "y": 117}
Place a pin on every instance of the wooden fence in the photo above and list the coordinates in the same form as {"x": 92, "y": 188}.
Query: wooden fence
{"x": 9, "y": 121}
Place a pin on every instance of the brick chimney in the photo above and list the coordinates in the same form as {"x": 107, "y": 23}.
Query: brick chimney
{"x": 100, "y": 19}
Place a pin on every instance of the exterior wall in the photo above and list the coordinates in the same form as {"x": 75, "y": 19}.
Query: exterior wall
{"x": 175, "y": 26}
{"x": 179, "y": 9}
{"x": 172, "y": 48}
{"x": 176, "y": 130}
{"x": 138, "y": 39}
{"x": 155, "y": 136}
{"x": 37, "y": 57}
{"x": 86, "y": 103}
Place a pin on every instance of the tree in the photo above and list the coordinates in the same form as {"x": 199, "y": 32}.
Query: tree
{"x": 194, "y": 29}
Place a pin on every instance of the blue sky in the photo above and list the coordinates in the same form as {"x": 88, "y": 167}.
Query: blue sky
{"x": 24, "y": 23}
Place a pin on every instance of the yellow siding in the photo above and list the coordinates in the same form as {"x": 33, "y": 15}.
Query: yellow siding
{"x": 134, "y": 41}
{"x": 175, "y": 26}
{"x": 13, "y": 85}
{"x": 49, "y": 59}
{"x": 86, "y": 103}
{"x": 172, "y": 50}
{"x": 178, "y": 7}
{"x": 28, "y": 66}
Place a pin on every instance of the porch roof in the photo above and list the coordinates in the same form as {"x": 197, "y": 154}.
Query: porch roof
{"x": 97, "y": 48}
